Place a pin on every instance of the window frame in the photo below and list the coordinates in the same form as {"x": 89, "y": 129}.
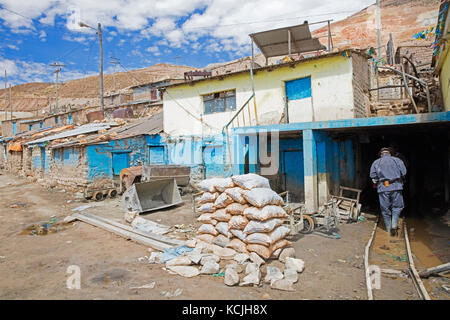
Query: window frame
{"x": 219, "y": 96}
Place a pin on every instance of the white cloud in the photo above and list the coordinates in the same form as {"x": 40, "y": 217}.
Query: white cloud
{"x": 9, "y": 66}
{"x": 13, "y": 47}
{"x": 42, "y": 35}
{"x": 153, "y": 50}
{"x": 176, "y": 23}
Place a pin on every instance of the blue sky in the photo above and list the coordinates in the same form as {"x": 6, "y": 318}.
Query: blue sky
{"x": 35, "y": 33}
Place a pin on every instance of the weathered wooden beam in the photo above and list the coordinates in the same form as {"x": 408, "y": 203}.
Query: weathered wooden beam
{"x": 123, "y": 233}
{"x": 435, "y": 270}
{"x": 150, "y": 235}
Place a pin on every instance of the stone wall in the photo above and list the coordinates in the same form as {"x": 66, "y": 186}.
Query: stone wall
{"x": 361, "y": 84}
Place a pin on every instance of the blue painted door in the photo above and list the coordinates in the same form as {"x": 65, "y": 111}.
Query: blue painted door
{"x": 43, "y": 160}
{"x": 14, "y": 128}
{"x": 156, "y": 154}
{"x": 120, "y": 161}
{"x": 69, "y": 119}
{"x": 294, "y": 174}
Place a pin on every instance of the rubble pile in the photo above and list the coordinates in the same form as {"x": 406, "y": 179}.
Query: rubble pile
{"x": 242, "y": 227}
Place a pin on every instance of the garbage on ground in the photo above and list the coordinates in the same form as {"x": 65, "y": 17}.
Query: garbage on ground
{"x": 169, "y": 294}
{"x": 149, "y": 226}
{"x": 150, "y": 285}
{"x": 171, "y": 253}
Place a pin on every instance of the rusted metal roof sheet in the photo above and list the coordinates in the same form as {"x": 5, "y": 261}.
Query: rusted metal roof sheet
{"x": 87, "y": 128}
{"x": 274, "y": 43}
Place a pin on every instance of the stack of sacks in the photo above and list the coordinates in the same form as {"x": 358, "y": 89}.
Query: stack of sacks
{"x": 244, "y": 214}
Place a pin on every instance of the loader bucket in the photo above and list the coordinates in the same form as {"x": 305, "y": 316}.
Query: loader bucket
{"x": 151, "y": 196}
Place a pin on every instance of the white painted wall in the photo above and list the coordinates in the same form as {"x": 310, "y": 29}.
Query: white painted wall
{"x": 331, "y": 90}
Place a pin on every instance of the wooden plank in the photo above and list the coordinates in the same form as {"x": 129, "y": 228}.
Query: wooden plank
{"x": 123, "y": 233}
{"x": 150, "y": 235}
{"x": 435, "y": 270}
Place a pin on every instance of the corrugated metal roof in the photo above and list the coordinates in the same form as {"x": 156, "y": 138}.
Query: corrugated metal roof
{"x": 87, "y": 128}
{"x": 274, "y": 43}
{"x": 150, "y": 126}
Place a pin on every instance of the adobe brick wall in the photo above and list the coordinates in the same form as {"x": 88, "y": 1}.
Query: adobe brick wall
{"x": 361, "y": 84}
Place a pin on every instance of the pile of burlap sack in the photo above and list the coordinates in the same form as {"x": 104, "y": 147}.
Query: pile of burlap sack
{"x": 243, "y": 213}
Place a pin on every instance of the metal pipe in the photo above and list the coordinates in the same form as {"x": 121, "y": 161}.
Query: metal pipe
{"x": 329, "y": 36}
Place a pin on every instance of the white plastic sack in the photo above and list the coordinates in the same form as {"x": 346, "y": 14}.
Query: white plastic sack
{"x": 250, "y": 181}
{"x": 222, "y": 201}
{"x": 223, "y": 183}
{"x": 236, "y": 195}
{"x": 208, "y": 197}
{"x": 222, "y": 227}
{"x": 207, "y": 218}
{"x": 209, "y": 238}
{"x": 262, "y": 226}
{"x": 237, "y": 222}
{"x": 266, "y": 213}
{"x": 208, "y": 228}
{"x": 209, "y": 185}
{"x": 260, "y": 197}
{"x": 260, "y": 250}
{"x": 221, "y": 215}
{"x": 221, "y": 240}
{"x": 236, "y": 208}
{"x": 238, "y": 234}
{"x": 237, "y": 245}
{"x": 206, "y": 208}
{"x": 267, "y": 239}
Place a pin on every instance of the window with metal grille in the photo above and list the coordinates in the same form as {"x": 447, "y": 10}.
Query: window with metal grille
{"x": 220, "y": 101}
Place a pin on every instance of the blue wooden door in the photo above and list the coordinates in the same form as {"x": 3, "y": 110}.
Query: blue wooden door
{"x": 120, "y": 160}
{"x": 294, "y": 174}
{"x": 14, "y": 128}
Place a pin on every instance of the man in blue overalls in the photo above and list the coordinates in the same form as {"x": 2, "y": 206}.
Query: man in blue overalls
{"x": 388, "y": 173}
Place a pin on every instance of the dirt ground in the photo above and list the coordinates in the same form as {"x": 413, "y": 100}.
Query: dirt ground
{"x": 35, "y": 266}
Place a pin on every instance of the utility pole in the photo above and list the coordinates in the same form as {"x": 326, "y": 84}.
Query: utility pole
{"x": 114, "y": 61}
{"x": 379, "y": 29}
{"x": 6, "y": 97}
{"x": 56, "y": 72}
{"x": 101, "y": 67}
{"x": 10, "y": 101}
{"x": 99, "y": 32}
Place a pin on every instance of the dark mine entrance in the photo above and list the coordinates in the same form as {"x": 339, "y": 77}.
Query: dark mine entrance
{"x": 425, "y": 151}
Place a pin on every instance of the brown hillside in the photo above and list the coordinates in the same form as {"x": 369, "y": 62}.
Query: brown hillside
{"x": 402, "y": 18}
{"x": 27, "y": 96}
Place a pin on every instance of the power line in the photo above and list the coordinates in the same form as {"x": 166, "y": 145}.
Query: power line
{"x": 265, "y": 21}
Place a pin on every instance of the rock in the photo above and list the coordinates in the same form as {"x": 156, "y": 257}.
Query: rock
{"x": 179, "y": 261}
{"x": 79, "y": 195}
{"x": 224, "y": 253}
{"x": 291, "y": 275}
{"x": 155, "y": 257}
{"x": 194, "y": 257}
{"x": 234, "y": 266}
{"x": 252, "y": 278}
{"x": 241, "y": 258}
{"x": 256, "y": 259}
{"x": 266, "y": 295}
{"x": 129, "y": 216}
{"x": 251, "y": 267}
{"x": 275, "y": 254}
{"x": 209, "y": 257}
{"x": 273, "y": 273}
{"x": 210, "y": 267}
{"x": 231, "y": 277}
{"x": 286, "y": 252}
{"x": 296, "y": 264}
{"x": 282, "y": 284}
{"x": 190, "y": 243}
{"x": 185, "y": 271}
